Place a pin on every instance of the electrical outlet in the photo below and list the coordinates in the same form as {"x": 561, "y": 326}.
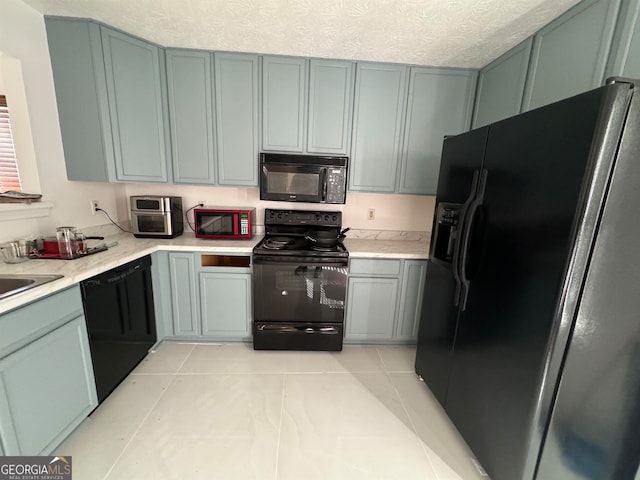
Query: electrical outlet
{"x": 94, "y": 206}
{"x": 201, "y": 202}
{"x": 371, "y": 214}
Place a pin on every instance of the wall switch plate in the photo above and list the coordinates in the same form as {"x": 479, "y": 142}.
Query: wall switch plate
{"x": 371, "y": 214}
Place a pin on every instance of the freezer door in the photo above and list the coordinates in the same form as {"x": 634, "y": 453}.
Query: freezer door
{"x": 461, "y": 161}
{"x": 522, "y": 237}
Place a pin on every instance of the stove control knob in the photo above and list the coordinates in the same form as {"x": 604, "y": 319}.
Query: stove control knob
{"x": 326, "y": 218}
{"x": 335, "y": 218}
{"x": 271, "y": 214}
{"x": 318, "y": 217}
{"x": 280, "y": 216}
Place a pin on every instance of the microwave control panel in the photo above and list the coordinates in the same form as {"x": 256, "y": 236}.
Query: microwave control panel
{"x": 244, "y": 224}
{"x": 336, "y": 183}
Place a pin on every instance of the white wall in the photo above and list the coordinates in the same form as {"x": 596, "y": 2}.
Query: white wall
{"x": 392, "y": 212}
{"x": 23, "y": 39}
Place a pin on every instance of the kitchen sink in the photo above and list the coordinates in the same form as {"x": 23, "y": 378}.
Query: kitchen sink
{"x": 12, "y": 284}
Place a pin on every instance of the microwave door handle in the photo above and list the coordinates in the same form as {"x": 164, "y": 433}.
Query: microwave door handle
{"x": 323, "y": 182}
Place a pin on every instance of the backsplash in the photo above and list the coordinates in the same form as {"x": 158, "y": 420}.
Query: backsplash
{"x": 389, "y": 235}
{"x": 406, "y": 214}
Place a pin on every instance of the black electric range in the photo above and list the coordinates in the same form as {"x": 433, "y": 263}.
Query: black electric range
{"x": 299, "y": 288}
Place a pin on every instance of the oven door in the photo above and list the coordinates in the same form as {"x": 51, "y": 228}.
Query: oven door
{"x": 299, "y": 289}
{"x": 154, "y": 224}
{"x": 292, "y": 183}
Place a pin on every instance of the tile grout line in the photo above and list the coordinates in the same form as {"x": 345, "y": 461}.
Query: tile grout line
{"x": 173, "y": 377}
{"x": 406, "y": 411}
{"x": 284, "y": 381}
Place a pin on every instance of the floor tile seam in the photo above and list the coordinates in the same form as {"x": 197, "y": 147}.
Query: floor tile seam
{"x": 284, "y": 382}
{"x": 193, "y": 347}
{"x": 124, "y": 449}
{"x": 413, "y": 426}
{"x": 275, "y": 372}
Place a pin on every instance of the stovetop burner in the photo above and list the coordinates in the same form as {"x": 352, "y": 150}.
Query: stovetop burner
{"x": 285, "y": 232}
{"x": 284, "y": 243}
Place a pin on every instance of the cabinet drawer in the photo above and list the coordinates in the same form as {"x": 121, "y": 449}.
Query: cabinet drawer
{"x": 26, "y": 323}
{"x": 367, "y": 266}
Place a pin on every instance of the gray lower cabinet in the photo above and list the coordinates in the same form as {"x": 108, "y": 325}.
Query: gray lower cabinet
{"x": 501, "y": 86}
{"x": 440, "y": 103}
{"x": 379, "y": 107}
{"x": 110, "y": 91}
{"x": 414, "y": 273}
{"x": 384, "y": 298}
{"x": 46, "y": 378}
{"x": 184, "y": 294}
{"x": 624, "y": 60}
{"x": 210, "y": 296}
{"x": 225, "y": 305}
{"x": 569, "y": 55}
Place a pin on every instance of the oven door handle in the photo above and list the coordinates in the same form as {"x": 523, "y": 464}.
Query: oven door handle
{"x": 298, "y": 261}
{"x": 299, "y": 329}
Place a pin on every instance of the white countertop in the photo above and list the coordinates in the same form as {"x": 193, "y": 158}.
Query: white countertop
{"x": 129, "y": 248}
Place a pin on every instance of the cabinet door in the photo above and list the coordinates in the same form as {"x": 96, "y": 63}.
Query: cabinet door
{"x": 283, "y": 103}
{"x": 330, "y": 93}
{"x": 81, "y": 94}
{"x": 569, "y": 55}
{"x": 237, "y": 118}
{"x": 184, "y": 297}
{"x": 190, "y": 92}
{"x": 624, "y": 60}
{"x": 136, "y": 107}
{"x": 501, "y": 86}
{"x": 440, "y": 103}
{"x": 46, "y": 389}
{"x": 371, "y": 308}
{"x": 413, "y": 279}
{"x": 225, "y": 305}
{"x": 380, "y": 96}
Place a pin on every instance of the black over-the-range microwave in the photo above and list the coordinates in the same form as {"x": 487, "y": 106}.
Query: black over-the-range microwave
{"x": 303, "y": 178}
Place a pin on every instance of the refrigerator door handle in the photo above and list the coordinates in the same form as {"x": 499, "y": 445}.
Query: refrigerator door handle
{"x": 466, "y": 240}
{"x": 461, "y": 226}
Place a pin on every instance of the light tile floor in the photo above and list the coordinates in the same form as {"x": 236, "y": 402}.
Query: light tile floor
{"x": 211, "y": 411}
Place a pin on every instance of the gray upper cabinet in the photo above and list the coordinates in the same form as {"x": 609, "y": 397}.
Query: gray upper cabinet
{"x": 625, "y": 54}
{"x": 135, "y": 87}
{"x": 440, "y": 103}
{"x": 236, "y": 87}
{"x": 190, "y": 91}
{"x": 569, "y": 55}
{"x": 75, "y": 48}
{"x": 306, "y": 105}
{"x": 501, "y": 86}
{"x": 330, "y": 96}
{"x": 379, "y": 106}
{"x": 283, "y": 103}
{"x": 213, "y": 107}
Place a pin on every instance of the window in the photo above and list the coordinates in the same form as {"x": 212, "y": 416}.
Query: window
{"x": 9, "y": 177}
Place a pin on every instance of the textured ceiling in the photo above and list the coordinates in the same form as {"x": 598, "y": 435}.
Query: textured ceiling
{"x": 456, "y": 33}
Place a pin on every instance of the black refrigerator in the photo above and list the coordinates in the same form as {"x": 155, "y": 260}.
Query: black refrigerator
{"x": 530, "y": 327}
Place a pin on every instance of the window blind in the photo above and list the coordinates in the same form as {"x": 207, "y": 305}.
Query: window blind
{"x": 9, "y": 176}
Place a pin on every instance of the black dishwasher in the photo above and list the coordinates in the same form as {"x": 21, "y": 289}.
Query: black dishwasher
{"x": 118, "y": 307}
